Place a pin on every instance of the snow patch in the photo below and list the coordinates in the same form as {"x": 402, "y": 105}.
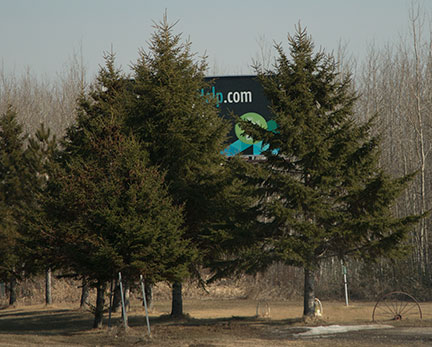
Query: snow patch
{"x": 338, "y": 329}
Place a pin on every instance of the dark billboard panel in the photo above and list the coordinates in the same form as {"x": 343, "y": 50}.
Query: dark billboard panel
{"x": 243, "y": 96}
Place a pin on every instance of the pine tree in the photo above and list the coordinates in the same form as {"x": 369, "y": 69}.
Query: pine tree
{"x": 321, "y": 191}
{"x": 107, "y": 209}
{"x": 182, "y": 133}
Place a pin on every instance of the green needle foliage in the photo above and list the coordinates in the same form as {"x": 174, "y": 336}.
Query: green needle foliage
{"x": 41, "y": 149}
{"x": 107, "y": 209}
{"x": 113, "y": 213}
{"x": 18, "y": 182}
{"x": 321, "y": 191}
{"x": 15, "y": 185}
{"x": 181, "y": 131}
{"x": 12, "y": 191}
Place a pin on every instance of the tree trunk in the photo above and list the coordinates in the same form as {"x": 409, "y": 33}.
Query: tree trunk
{"x": 148, "y": 289}
{"x": 100, "y": 303}
{"x": 116, "y": 305}
{"x": 85, "y": 290}
{"x": 12, "y": 292}
{"x": 48, "y": 292}
{"x": 309, "y": 293}
{"x": 177, "y": 300}
{"x": 421, "y": 147}
{"x": 2, "y": 290}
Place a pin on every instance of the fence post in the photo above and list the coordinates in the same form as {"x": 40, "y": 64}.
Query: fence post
{"x": 344, "y": 272}
{"x": 123, "y": 302}
{"x": 145, "y": 304}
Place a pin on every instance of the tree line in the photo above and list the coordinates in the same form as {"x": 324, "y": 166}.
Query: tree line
{"x": 138, "y": 184}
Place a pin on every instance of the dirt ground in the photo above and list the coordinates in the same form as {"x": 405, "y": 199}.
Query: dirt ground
{"x": 211, "y": 323}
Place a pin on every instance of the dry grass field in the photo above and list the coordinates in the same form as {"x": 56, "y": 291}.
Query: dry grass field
{"x": 210, "y": 322}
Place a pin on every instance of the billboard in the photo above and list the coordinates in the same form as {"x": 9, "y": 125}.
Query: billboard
{"x": 243, "y": 96}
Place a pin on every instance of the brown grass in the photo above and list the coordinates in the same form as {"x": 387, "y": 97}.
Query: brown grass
{"x": 210, "y": 322}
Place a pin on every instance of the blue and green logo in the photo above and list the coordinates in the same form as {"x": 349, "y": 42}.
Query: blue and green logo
{"x": 244, "y": 141}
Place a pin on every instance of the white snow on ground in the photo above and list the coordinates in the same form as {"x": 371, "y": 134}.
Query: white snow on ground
{"x": 337, "y": 329}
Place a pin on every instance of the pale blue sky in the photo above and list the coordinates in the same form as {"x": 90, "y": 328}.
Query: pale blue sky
{"x": 44, "y": 34}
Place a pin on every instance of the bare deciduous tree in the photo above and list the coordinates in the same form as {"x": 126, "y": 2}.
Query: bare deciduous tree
{"x": 39, "y": 100}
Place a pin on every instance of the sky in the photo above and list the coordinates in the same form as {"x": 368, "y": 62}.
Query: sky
{"x": 44, "y": 35}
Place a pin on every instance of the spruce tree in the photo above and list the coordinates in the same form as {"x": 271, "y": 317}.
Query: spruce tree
{"x": 182, "y": 133}
{"x": 17, "y": 184}
{"x": 321, "y": 191}
{"x": 41, "y": 148}
{"x": 107, "y": 210}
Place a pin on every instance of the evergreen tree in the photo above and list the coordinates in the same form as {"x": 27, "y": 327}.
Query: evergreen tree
{"x": 321, "y": 191}
{"x": 182, "y": 133}
{"x": 41, "y": 149}
{"x": 17, "y": 183}
{"x": 107, "y": 210}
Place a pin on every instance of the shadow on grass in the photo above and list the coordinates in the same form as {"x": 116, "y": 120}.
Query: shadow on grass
{"x": 64, "y": 322}
{"x": 186, "y": 320}
{"x": 44, "y": 322}
{"x": 243, "y": 327}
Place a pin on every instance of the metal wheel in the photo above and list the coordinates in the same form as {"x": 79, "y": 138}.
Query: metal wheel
{"x": 396, "y": 306}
